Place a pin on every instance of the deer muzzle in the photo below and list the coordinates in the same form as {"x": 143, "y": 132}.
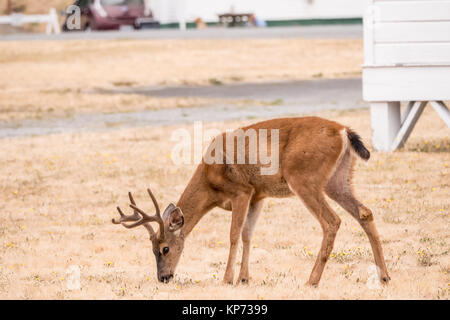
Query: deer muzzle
{"x": 165, "y": 278}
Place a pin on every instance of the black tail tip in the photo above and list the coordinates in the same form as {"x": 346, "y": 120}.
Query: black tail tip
{"x": 358, "y": 145}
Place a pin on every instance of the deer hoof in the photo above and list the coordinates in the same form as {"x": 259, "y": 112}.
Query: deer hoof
{"x": 228, "y": 282}
{"x": 243, "y": 281}
{"x": 312, "y": 284}
{"x": 385, "y": 279}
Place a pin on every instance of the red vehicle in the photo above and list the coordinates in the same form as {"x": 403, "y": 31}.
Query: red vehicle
{"x": 113, "y": 15}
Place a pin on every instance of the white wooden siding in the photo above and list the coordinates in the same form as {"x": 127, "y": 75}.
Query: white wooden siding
{"x": 394, "y": 11}
{"x": 407, "y": 32}
{"x": 407, "y": 50}
{"x": 411, "y": 83}
{"x": 399, "y": 32}
{"x": 411, "y": 53}
{"x": 407, "y": 58}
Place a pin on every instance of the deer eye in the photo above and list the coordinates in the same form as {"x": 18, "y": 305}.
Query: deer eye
{"x": 165, "y": 250}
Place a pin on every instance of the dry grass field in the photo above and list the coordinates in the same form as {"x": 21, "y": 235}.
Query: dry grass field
{"x": 59, "y": 193}
{"x": 61, "y": 78}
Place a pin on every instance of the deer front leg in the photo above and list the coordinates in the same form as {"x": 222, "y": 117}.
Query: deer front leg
{"x": 247, "y": 232}
{"x": 240, "y": 208}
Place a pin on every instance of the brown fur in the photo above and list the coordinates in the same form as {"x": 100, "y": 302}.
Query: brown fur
{"x": 316, "y": 157}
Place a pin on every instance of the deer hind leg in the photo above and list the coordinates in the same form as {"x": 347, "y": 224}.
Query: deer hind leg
{"x": 339, "y": 188}
{"x": 247, "y": 232}
{"x": 240, "y": 205}
{"x": 312, "y": 196}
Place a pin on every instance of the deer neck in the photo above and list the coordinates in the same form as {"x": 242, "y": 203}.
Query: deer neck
{"x": 197, "y": 199}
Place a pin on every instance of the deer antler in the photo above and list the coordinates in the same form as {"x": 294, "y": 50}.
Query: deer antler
{"x": 144, "y": 220}
{"x": 125, "y": 218}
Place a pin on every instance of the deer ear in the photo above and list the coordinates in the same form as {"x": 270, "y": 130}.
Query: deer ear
{"x": 173, "y": 217}
{"x": 176, "y": 219}
{"x": 168, "y": 211}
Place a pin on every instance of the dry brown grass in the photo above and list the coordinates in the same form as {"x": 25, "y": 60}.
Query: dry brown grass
{"x": 59, "y": 194}
{"x": 35, "y": 7}
{"x": 67, "y": 103}
{"x": 57, "y": 78}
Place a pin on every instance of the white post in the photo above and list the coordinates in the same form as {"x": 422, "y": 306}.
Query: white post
{"x": 368, "y": 26}
{"x": 182, "y": 14}
{"x": 18, "y": 19}
{"x": 53, "y": 22}
{"x": 408, "y": 125}
{"x": 442, "y": 110}
{"x": 407, "y": 110}
{"x": 386, "y": 122}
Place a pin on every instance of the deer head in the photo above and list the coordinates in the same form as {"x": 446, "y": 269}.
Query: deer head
{"x": 168, "y": 242}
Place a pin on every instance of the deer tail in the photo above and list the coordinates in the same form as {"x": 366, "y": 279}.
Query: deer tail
{"x": 357, "y": 144}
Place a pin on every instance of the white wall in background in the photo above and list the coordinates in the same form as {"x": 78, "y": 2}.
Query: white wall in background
{"x": 170, "y": 10}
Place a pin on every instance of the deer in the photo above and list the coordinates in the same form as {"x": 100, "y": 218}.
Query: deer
{"x": 316, "y": 158}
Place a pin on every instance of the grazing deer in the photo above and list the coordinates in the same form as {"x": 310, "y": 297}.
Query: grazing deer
{"x": 316, "y": 157}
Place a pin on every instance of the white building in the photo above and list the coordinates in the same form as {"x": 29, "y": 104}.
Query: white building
{"x": 169, "y": 11}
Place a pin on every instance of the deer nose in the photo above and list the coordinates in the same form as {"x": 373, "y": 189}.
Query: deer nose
{"x": 166, "y": 278}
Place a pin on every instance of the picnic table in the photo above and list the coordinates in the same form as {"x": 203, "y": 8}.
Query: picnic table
{"x": 233, "y": 19}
